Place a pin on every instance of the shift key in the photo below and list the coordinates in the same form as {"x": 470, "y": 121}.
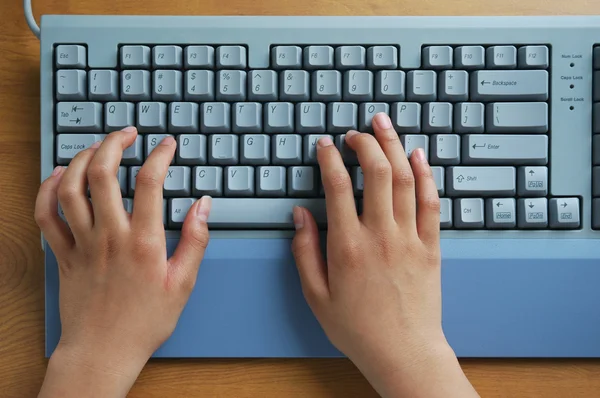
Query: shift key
{"x": 509, "y": 85}
{"x": 481, "y": 181}
{"x": 498, "y": 149}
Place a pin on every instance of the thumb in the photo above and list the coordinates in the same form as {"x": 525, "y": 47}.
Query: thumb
{"x": 308, "y": 256}
{"x": 193, "y": 242}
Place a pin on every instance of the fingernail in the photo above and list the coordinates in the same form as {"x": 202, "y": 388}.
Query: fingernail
{"x": 298, "y": 218}
{"x": 351, "y": 133}
{"x": 168, "y": 140}
{"x": 57, "y": 170}
{"x": 325, "y": 141}
{"x": 419, "y": 154}
{"x": 130, "y": 129}
{"x": 96, "y": 145}
{"x": 383, "y": 120}
{"x": 203, "y": 209}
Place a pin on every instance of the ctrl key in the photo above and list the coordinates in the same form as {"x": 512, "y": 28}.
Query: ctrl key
{"x": 564, "y": 213}
{"x": 468, "y": 213}
{"x": 69, "y": 145}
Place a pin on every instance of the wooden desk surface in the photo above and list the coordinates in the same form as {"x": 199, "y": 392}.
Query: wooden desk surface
{"x": 22, "y": 362}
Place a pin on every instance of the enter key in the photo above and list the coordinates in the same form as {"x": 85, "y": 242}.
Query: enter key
{"x": 514, "y": 150}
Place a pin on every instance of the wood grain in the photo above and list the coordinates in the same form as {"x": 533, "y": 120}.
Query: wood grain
{"x": 22, "y": 362}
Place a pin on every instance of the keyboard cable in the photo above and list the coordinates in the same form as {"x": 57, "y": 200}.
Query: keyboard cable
{"x": 30, "y": 18}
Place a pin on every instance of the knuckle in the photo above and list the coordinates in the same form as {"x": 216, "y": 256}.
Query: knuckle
{"x": 148, "y": 178}
{"x": 351, "y": 249}
{"x": 145, "y": 245}
{"x": 403, "y": 177}
{"x": 338, "y": 181}
{"x": 67, "y": 194}
{"x": 198, "y": 238}
{"x": 424, "y": 172}
{"x": 430, "y": 202}
{"x": 98, "y": 172}
{"x": 42, "y": 217}
{"x": 380, "y": 168}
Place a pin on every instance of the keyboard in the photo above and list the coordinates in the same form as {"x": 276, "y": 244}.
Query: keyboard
{"x": 506, "y": 109}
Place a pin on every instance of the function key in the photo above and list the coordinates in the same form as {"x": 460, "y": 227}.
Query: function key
{"x": 199, "y": 57}
{"x": 166, "y": 57}
{"x": 533, "y": 57}
{"x": 286, "y": 57}
{"x": 71, "y": 56}
{"x": 501, "y": 57}
{"x": 470, "y": 57}
{"x": 382, "y": 57}
{"x": 350, "y": 57}
{"x": 231, "y": 57}
{"x": 597, "y": 57}
{"x": 437, "y": 57}
{"x": 318, "y": 57}
{"x": 135, "y": 57}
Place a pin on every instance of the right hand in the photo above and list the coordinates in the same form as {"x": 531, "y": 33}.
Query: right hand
{"x": 378, "y": 297}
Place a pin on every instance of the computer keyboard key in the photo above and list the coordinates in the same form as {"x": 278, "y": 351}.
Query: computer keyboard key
{"x": 596, "y": 213}
{"x": 469, "y": 213}
{"x": 301, "y": 181}
{"x": 167, "y": 85}
{"x": 348, "y": 155}
{"x": 318, "y": 57}
{"x": 358, "y": 85}
{"x": 454, "y": 86}
{"x": 390, "y": 86}
{"x": 469, "y": 57}
{"x": 350, "y": 57}
{"x": 564, "y": 213}
{"x": 439, "y": 178}
{"x": 341, "y": 117}
{"x": 215, "y": 117}
{"x": 597, "y": 57}
{"x": 446, "y": 213}
{"x": 286, "y": 57}
{"x": 71, "y": 56}
{"x": 69, "y": 145}
{"x": 166, "y": 57}
{"x": 410, "y": 142}
{"x": 79, "y": 117}
{"x": 517, "y": 117}
{"x": 294, "y": 86}
{"x": 310, "y": 147}
{"x": 286, "y": 149}
{"x": 382, "y": 57}
{"x": 239, "y": 181}
{"x": 154, "y": 140}
{"x": 500, "y": 213}
{"x": 223, "y": 149}
{"x": 103, "y": 85}
{"x": 505, "y": 149}
{"x": 122, "y": 178}
{"x": 134, "y": 154}
{"x": 468, "y": 117}
{"x": 271, "y": 181}
{"x": 532, "y": 213}
{"x": 437, "y": 117}
{"x": 406, "y": 117}
{"x": 231, "y": 85}
{"x": 135, "y": 57}
{"x": 501, "y": 57}
{"x": 366, "y": 111}
{"x": 133, "y": 172}
{"x": 263, "y": 85}
{"x": 71, "y": 85}
{"x": 533, "y": 57}
{"x": 118, "y": 115}
{"x": 199, "y": 85}
{"x": 199, "y": 57}
{"x": 326, "y": 85}
{"x": 310, "y": 117}
{"x": 231, "y": 57}
{"x": 191, "y": 149}
{"x": 255, "y": 149}
{"x": 247, "y": 117}
{"x": 151, "y": 117}
{"x": 358, "y": 180}
{"x": 183, "y": 117}
{"x": 128, "y": 205}
{"x": 178, "y": 209}
{"x": 135, "y": 85}
{"x": 177, "y": 182}
{"x": 208, "y": 180}
{"x": 279, "y": 117}
{"x": 596, "y": 117}
{"x": 421, "y": 85}
{"x": 596, "y": 150}
{"x": 445, "y": 149}
{"x": 532, "y": 181}
{"x": 596, "y": 88}
{"x": 481, "y": 181}
{"x": 509, "y": 85}
{"x": 437, "y": 57}
{"x": 596, "y": 181}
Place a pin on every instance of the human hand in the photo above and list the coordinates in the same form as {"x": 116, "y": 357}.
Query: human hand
{"x": 120, "y": 296}
{"x": 378, "y": 297}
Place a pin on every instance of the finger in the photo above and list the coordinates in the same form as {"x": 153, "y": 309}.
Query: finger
{"x": 339, "y": 198}
{"x": 193, "y": 242}
{"x": 54, "y": 229}
{"x": 148, "y": 198}
{"x": 72, "y": 193}
{"x": 377, "y": 172}
{"x": 428, "y": 201}
{"x": 403, "y": 181}
{"x": 102, "y": 177}
{"x": 308, "y": 256}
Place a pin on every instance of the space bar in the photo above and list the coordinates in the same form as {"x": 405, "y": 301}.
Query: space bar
{"x": 260, "y": 213}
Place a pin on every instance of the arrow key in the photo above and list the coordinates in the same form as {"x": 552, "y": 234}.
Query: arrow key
{"x": 500, "y": 213}
{"x": 564, "y": 213}
{"x": 532, "y": 213}
{"x": 532, "y": 181}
